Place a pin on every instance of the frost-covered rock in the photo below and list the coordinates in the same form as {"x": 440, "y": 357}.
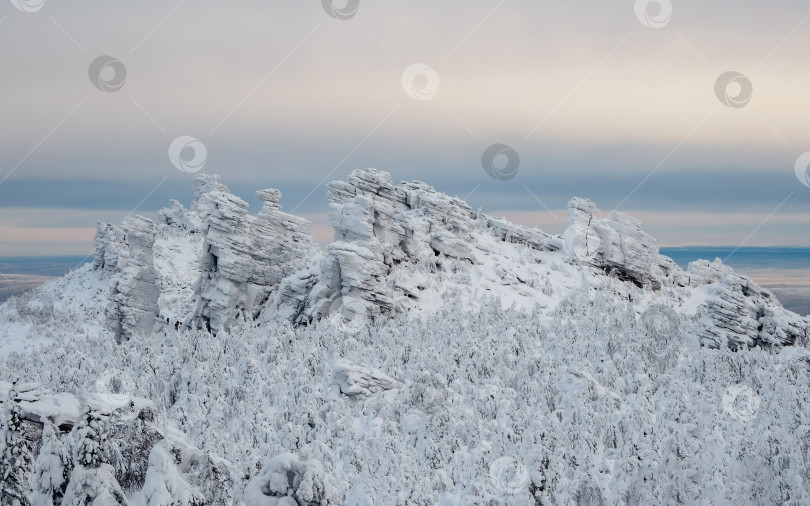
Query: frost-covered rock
{"x": 211, "y": 264}
{"x": 740, "y": 314}
{"x": 360, "y": 381}
{"x": 671, "y": 273}
{"x": 133, "y": 288}
{"x": 703, "y": 272}
{"x": 245, "y": 258}
{"x": 524, "y": 372}
{"x": 617, "y": 245}
{"x": 378, "y": 225}
{"x": 180, "y": 218}
{"x": 289, "y": 480}
{"x": 398, "y": 248}
{"x": 520, "y": 234}
{"x": 109, "y": 241}
{"x": 177, "y": 264}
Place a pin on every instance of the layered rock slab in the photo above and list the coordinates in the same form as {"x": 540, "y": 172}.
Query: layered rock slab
{"x": 377, "y": 225}
{"x": 245, "y": 258}
{"x": 740, "y": 314}
{"x": 616, "y": 245}
{"x": 126, "y": 255}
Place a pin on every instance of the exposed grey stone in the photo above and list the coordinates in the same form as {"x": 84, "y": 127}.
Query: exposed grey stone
{"x": 133, "y": 287}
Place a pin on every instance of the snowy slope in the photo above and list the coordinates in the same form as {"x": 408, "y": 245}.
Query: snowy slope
{"x": 430, "y": 355}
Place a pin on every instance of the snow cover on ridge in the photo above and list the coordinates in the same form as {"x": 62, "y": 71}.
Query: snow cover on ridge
{"x": 428, "y": 342}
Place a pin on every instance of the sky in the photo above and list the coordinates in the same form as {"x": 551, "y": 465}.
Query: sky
{"x": 628, "y": 103}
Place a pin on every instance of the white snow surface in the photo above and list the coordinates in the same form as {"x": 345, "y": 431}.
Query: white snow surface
{"x": 430, "y": 355}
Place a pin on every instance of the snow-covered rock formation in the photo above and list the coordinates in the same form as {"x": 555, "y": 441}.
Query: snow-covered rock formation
{"x": 214, "y": 265}
{"x": 618, "y": 245}
{"x": 360, "y": 381}
{"x": 430, "y": 354}
{"x": 244, "y": 257}
{"x": 127, "y": 254}
{"x": 378, "y": 225}
{"x": 741, "y": 314}
{"x": 235, "y": 261}
{"x": 380, "y": 230}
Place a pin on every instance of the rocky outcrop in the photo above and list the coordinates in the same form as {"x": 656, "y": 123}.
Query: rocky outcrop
{"x": 180, "y": 218}
{"x": 245, "y": 258}
{"x": 671, "y": 272}
{"x": 740, "y": 314}
{"x": 703, "y": 272}
{"x": 237, "y": 260}
{"x": 377, "y": 225}
{"x": 213, "y": 264}
{"x": 616, "y": 245}
{"x": 359, "y": 382}
{"x": 133, "y": 287}
{"x": 108, "y": 242}
{"x": 519, "y": 234}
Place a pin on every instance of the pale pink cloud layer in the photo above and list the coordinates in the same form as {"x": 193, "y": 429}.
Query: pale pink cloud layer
{"x": 34, "y": 232}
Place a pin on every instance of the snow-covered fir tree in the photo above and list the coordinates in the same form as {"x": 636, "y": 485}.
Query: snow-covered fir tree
{"x": 50, "y": 469}
{"x": 16, "y": 455}
{"x": 92, "y": 480}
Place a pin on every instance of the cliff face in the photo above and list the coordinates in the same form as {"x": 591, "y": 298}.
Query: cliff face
{"x": 378, "y": 225}
{"x": 210, "y": 265}
{"x": 244, "y": 257}
{"x": 126, "y": 255}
